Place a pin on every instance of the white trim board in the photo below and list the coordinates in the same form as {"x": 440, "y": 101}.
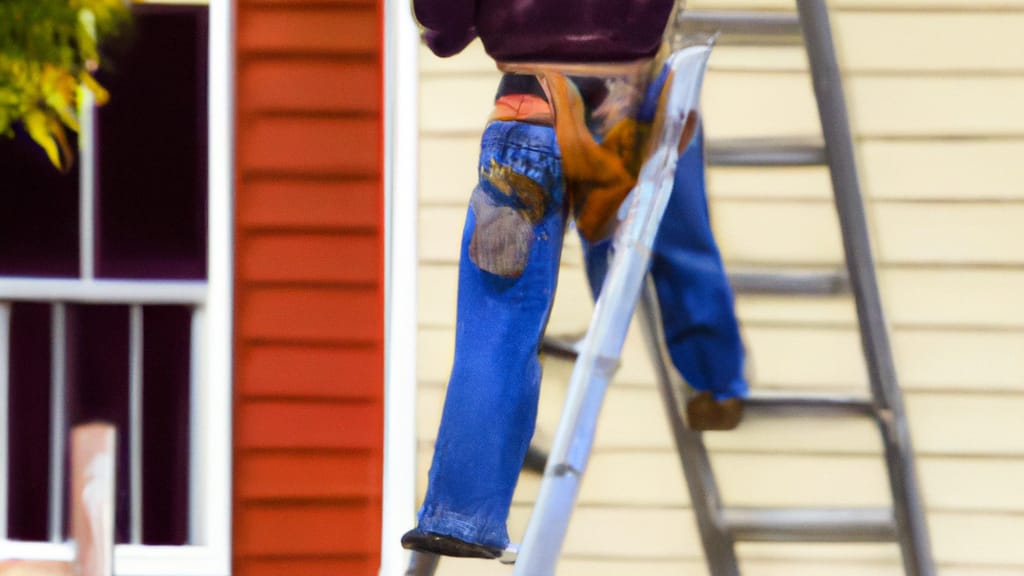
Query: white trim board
{"x": 400, "y": 192}
{"x": 213, "y": 505}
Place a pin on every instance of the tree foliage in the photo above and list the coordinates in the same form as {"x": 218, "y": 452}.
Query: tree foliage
{"x": 49, "y": 50}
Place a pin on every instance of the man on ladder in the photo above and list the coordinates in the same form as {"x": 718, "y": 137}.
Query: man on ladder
{"x": 531, "y": 174}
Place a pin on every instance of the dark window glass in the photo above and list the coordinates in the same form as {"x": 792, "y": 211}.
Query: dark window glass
{"x": 38, "y": 211}
{"x": 166, "y": 376}
{"x": 152, "y": 149}
{"x": 97, "y": 376}
{"x": 97, "y": 380}
{"x": 29, "y": 422}
{"x": 151, "y": 223}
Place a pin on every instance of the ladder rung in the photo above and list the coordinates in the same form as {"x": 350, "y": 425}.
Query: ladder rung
{"x": 746, "y": 28}
{"x": 810, "y": 524}
{"x": 810, "y": 283}
{"x": 536, "y": 459}
{"x": 810, "y": 404}
{"x": 566, "y": 347}
{"x": 766, "y": 152}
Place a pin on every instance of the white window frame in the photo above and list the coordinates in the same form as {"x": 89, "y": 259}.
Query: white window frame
{"x": 211, "y": 413}
{"x": 401, "y": 142}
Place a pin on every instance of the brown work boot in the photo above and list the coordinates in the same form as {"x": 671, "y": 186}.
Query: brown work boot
{"x": 703, "y": 412}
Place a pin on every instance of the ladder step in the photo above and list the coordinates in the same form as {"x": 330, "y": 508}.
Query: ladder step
{"x": 810, "y": 524}
{"x": 809, "y": 404}
{"x": 808, "y": 283}
{"x": 565, "y": 347}
{"x": 745, "y": 28}
{"x": 766, "y": 152}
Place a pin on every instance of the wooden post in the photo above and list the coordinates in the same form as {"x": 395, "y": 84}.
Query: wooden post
{"x": 93, "y": 476}
{"x": 36, "y": 568}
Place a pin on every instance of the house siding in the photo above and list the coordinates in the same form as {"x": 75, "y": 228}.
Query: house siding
{"x": 934, "y": 88}
{"x": 309, "y": 288}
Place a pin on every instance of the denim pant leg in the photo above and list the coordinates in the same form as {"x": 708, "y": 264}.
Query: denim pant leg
{"x": 697, "y": 309}
{"x": 511, "y": 248}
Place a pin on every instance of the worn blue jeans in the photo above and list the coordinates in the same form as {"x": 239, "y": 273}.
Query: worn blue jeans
{"x": 511, "y": 247}
{"x": 508, "y": 270}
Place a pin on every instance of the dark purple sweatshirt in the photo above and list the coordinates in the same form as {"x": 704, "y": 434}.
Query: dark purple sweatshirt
{"x": 546, "y": 30}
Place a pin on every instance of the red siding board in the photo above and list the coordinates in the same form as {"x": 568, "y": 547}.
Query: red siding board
{"x": 309, "y": 566}
{"x": 309, "y": 389}
{"x": 300, "y": 204}
{"x": 321, "y": 476}
{"x": 301, "y": 529}
{"x": 304, "y": 426}
{"x": 313, "y": 372}
{"x": 311, "y": 86}
{"x": 283, "y": 30}
{"x": 311, "y": 315}
{"x": 311, "y": 258}
{"x": 307, "y": 3}
{"x": 311, "y": 145}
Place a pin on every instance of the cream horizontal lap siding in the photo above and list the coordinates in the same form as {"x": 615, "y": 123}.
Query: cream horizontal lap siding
{"x": 935, "y": 90}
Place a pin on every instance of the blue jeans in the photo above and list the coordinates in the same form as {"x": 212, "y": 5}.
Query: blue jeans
{"x": 511, "y": 247}
{"x": 505, "y": 294}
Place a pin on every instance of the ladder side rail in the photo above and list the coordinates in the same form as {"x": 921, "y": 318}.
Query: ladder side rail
{"x": 832, "y": 110}
{"x": 422, "y": 564}
{"x": 719, "y": 546}
{"x": 600, "y": 350}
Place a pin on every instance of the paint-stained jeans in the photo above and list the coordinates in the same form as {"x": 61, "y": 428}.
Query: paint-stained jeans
{"x": 511, "y": 247}
{"x": 508, "y": 271}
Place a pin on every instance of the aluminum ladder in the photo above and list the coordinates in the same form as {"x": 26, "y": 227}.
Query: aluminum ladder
{"x": 722, "y": 527}
{"x": 639, "y": 218}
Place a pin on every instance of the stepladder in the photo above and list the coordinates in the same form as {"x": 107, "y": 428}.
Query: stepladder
{"x": 673, "y": 125}
{"x": 721, "y": 527}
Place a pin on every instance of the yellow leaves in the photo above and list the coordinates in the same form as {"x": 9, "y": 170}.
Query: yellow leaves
{"x": 99, "y": 7}
{"x": 95, "y": 18}
{"x": 50, "y": 135}
{"x": 87, "y": 39}
{"x": 41, "y": 80}
{"x": 45, "y": 99}
{"x": 8, "y": 101}
{"x": 99, "y": 93}
{"x": 45, "y": 124}
{"x": 59, "y": 91}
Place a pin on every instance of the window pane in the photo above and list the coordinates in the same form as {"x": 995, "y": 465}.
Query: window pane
{"x": 38, "y": 212}
{"x": 152, "y": 149}
{"x": 167, "y": 336}
{"x": 97, "y": 376}
{"x": 29, "y": 422}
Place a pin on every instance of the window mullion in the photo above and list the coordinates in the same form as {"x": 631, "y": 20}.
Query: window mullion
{"x": 135, "y": 384}
{"x": 87, "y": 183}
{"x": 160, "y": 292}
{"x": 58, "y": 418}
{"x": 198, "y": 471}
{"x": 5, "y": 387}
